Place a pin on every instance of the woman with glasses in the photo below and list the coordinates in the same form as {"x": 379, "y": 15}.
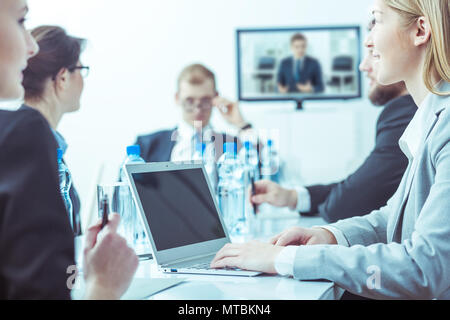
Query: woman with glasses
{"x": 53, "y": 83}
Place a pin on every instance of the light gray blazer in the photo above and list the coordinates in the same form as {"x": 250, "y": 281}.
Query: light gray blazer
{"x": 401, "y": 251}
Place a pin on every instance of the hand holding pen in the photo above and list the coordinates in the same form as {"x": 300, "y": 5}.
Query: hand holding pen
{"x": 105, "y": 210}
{"x": 108, "y": 262}
{"x": 265, "y": 191}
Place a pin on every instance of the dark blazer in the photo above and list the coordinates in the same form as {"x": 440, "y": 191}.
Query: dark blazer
{"x": 36, "y": 240}
{"x": 310, "y": 71}
{"x": 377, "y": 179}
{"x": 76, "y": 203}
{"x": 158, "y": 146}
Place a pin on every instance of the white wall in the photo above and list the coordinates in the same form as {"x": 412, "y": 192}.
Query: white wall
{"x": 137, "y": 48}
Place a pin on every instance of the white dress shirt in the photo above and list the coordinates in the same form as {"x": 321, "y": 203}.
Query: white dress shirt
{"x": 303, "y": 199}
{"x": 10, "y": 105}
{"x": 409, "y": 144}
{"x": 184, "y": 148}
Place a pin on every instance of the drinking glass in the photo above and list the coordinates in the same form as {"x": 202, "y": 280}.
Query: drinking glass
{"x": 120, "y": 201}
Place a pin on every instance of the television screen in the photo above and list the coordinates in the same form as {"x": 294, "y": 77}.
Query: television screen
{"x": 299, "y": 63}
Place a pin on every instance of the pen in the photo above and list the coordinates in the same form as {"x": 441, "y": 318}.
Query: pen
{"x": 105, "y": 210}
{"x": 252, "y": 179}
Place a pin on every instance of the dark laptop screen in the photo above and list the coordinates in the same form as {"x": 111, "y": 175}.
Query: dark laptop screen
{"x": 179, "y": 207}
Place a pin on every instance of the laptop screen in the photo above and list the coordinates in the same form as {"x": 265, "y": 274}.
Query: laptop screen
{"x": 179, "y": 207}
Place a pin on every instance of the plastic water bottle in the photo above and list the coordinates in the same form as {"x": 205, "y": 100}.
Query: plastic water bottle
{"x": 270, "y": 162}
{"x": 205, "y": 154}
{"x": 249, "y": 159}
{"x": 209, "y": 160}
{"x": 136, "y": 225}
{"x": 133, "y": 156}
{"x": 65, "y": 182}
{"x": 231, "y": 191}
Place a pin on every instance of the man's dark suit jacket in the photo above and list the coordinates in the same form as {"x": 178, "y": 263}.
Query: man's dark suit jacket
{"x": 158, "y": 146}
{"x": 310, "y": 71}
{"x": 377, "y": 179}
{"x": 36, "y": 239}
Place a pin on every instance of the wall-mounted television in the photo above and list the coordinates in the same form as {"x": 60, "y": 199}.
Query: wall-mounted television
{"x": 298, "y": 64}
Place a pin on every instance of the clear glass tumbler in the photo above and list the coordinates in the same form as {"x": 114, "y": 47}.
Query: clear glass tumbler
{"x": 120, "y": 201}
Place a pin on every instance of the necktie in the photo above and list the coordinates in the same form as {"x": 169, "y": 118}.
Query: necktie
{"x": 196, "y": 139}
{"x": 298, "y": 65}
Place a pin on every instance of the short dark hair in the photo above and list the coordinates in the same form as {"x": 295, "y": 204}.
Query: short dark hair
{"x": 196, "y": 74}
{"x": 57, "y": 50}
{"x": 298, "y": 36}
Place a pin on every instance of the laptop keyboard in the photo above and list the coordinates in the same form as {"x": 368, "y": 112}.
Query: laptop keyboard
{"x": 206, "y": 266}
{"x": 201, "y": 266}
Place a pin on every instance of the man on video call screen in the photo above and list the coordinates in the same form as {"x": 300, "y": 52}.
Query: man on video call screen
{"x": 300, "y": 72}
{"x": 300, "y": 63}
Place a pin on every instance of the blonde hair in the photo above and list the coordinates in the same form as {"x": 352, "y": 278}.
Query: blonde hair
{"x": 437, "y": 60}
{"x": 196, "y": 74}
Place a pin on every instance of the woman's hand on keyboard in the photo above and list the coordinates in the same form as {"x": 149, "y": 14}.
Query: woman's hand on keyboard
{"x": 254, "y": 255}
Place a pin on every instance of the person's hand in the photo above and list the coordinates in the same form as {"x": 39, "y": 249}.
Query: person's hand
{"x": 282, "y": 89}
{"x": 269, "y": 192}
{"x": 306, "y": 88}
{"x": 109, "y": 263}
{"x": 254, "y": 255}
{"x": 297, "y": 236}
{"x": 230, "y": 111}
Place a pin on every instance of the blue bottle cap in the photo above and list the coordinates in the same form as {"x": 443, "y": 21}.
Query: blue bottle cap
{"x": 247, "y": 145}
{"x": 59, "y": 153}
{"x": 134, "y": 150}
{"x": 229, "y": 147}
{"x": 269, "y": 142}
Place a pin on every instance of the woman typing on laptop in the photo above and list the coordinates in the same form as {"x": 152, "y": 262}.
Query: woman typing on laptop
{"x": 406, "y": 242}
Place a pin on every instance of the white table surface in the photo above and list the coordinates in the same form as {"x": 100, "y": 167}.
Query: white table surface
{"x": 263, "y": 287}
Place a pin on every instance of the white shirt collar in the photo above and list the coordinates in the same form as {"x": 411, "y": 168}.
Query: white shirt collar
{"x": 414, "y": 133}
{"x": 186, "y": 132}
{"x": 10, "y": 105}
{"x": 184, "y": 148}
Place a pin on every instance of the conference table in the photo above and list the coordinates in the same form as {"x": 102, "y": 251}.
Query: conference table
{"x": 263, "y": 287}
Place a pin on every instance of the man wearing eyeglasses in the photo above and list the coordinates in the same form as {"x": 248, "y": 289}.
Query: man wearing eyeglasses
{"x": 196, "y": 97}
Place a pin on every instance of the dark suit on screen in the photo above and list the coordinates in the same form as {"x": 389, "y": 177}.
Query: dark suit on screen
{"x": 310, "y": 71}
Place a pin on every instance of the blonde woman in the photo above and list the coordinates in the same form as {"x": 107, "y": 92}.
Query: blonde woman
{"x": 402, "y": 250}
{"x": 36, "y": 241}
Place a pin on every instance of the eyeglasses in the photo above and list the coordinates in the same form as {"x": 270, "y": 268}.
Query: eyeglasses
{"x": 204, "y": 104}
{"x": 84, "y": 70}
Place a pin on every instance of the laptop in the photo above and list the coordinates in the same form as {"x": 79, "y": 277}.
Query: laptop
{"x": 181, "y": 216}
